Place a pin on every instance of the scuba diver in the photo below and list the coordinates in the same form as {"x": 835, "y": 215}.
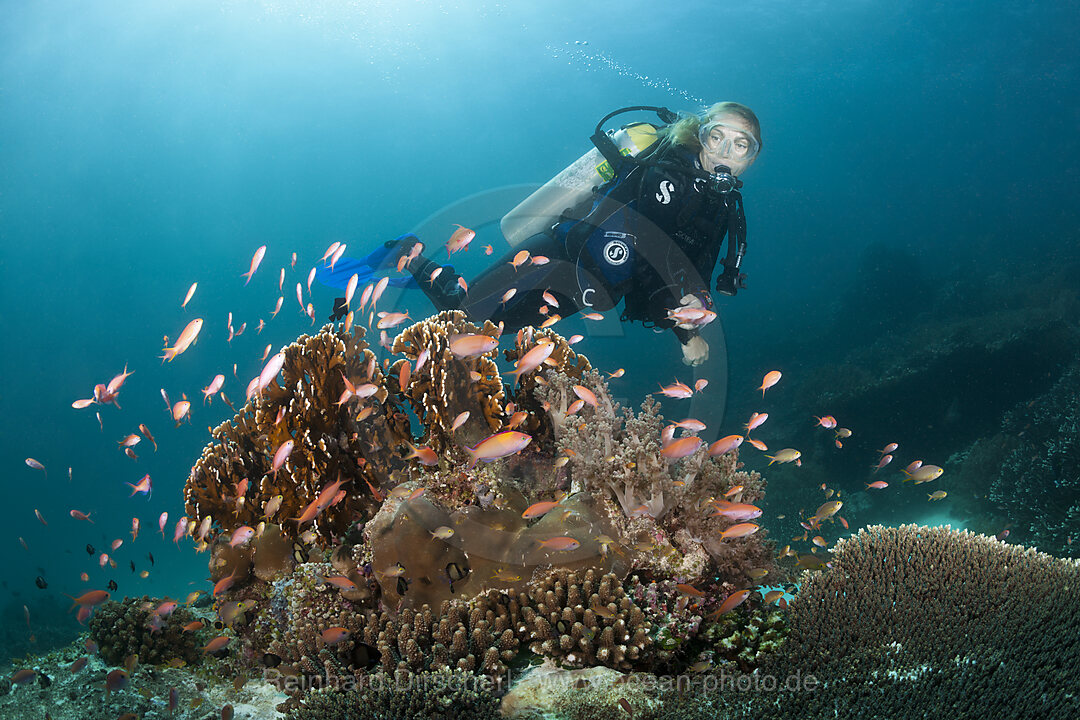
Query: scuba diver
{"x": 640, "y": 219}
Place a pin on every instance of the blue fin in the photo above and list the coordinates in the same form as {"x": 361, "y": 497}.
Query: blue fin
{"x": 364, "y": 268}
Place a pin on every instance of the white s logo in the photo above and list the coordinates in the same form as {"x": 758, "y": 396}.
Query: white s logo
{"x": 664, "y": 196}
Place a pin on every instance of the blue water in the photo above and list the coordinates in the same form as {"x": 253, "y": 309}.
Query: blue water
{"x": 146, "y": 146}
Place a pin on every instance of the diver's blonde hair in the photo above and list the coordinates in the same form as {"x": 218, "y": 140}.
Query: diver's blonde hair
{"x": 685, "y": 130}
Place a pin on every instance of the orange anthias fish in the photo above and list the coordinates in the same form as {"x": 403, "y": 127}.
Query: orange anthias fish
{"x": 459, "y": 240}
{"x": 334, "y": 635}
{"x": 771, "y": 378}
{"x": 520, "y": 259}
{"x": 187, "y": 337}
{"x": 497, "y": 446}
{"x": 532, "y": 359}
{"x": 471, "y": 345}
{"x": 725, "y": 445}
{"x": 740, "y": 530}
{"x": 677, "y": 390}
{"x": 424, "y": 454}
{"x": 585, "y": 394}
{"x": 683, "y": 447}
{"x": 561, "y": 543}
{"x": 733, "y": 601}
{"x": 190, "y": 292}
{"x": 539, "y": 509}
{"x": 255, "y": 260}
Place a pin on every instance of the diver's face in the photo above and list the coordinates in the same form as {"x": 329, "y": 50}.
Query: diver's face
{"x": 731, "y": 142}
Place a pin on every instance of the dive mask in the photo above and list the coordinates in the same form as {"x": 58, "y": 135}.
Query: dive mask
{"x": 720, "y": 140}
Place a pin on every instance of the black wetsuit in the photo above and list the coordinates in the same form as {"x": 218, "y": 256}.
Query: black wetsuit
{"x": 649, "y": 236}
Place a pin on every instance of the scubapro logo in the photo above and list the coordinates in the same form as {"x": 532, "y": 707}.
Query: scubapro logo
{"x": 616, "y": 252}
{"x": 664, "y": 196}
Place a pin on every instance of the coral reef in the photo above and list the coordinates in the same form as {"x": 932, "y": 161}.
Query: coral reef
{"x": 585, "y": 545}
{"x": 927, "y": 621}
{"x": 1038, "y": 483}
{"x": 336, "y": 438}
{"x": 133, "y": 627}
{"x": 436, "y": 695}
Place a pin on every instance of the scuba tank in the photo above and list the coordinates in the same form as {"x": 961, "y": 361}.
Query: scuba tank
{"x": 576, "y": 182}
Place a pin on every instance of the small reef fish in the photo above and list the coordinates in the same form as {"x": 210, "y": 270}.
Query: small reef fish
{"x": 187, "y": 336}
{"x": 561, "y": 543}
{"x": 585, "y": 394}
{"x": 216, "y": 644}
{"x": 143, "y": 486}
{"x": 827, "y": 510}
{"x": 757, "y": 444}
{"x": 532, "y": 359}
{"x": 459, "y": 420}
{"x": 771, "y": 378}
{"x": 740, "y": 530}
{"x": 877, "y": 485}
{"x": 210, "y": 390}
{"x": 732, "y": 601}
{"x": 497, "y": 446}
{"x": 256, "y": 259}
{"x": 677, "y": 390}
{"x": 937, "y": 495}
{"x": 443, "y": 533}
{"x": 925, "y": 473}
{"x": 725, "y": 445}
{"x": 334, "y": 635}
{"x": 459, "y": 240}
{"x": 756, "y": 420}
{"x": 681, "y": 448}
{"x": 885, "y": 460}
{"x": 539, "y": 509}
{"x": 80, "y": 515}
{"x": 470, "y": 345}
{"x": 826, "y": 421}
{"x": 784, "y": 456}
{"x": 281, "y": 454}
{"x": 424, "y": 454}
{"x": 146, "y": 433}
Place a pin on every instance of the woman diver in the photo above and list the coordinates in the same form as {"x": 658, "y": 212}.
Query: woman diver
{"x": 649, "y": 235}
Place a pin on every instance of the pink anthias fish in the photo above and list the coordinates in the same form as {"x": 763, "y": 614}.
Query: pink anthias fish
{"x": 270, "y": 370}
{"x": 771, "y": 378}
{"x": 497, "y": 446}
{"x": 470, "y": 345}
{"x": 826, "y": 421}
{"x": 725, "y": 445}
{"x": 756, "y": 420}
{"x": 256, "y": 259}
{"x": 215, "y": 385}
{"x": 187, "y": 337}
{"x": 459, "y": 240}
{"x": 532, "y": 359}
{"x": 677, "y": 390}
{"x": 683, "y": 447}
{"x": 144, "y": 486}
{"x": 281, "y": 454}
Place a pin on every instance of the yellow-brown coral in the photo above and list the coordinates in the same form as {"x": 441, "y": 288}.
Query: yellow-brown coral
{"x": 330, "y": 444}
{"x": 446, "y": 386}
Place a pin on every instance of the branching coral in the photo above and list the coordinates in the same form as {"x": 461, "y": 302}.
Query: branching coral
{"x": 131, "y": 627}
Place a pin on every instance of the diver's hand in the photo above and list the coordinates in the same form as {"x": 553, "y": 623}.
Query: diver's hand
{"x": 341, "y": 309}
{"x": 695, "y": 351}
{"x": 730, "y": 282}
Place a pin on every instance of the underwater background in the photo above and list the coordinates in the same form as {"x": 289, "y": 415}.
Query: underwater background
{"x": 913, "y": 261}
